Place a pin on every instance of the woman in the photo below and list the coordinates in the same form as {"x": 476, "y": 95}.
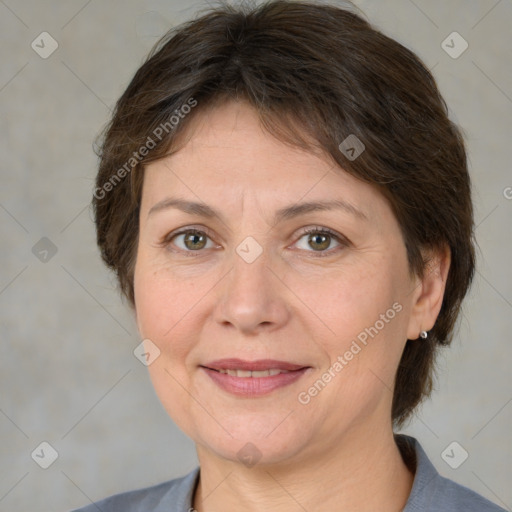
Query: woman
{"x": 276, "y": 195}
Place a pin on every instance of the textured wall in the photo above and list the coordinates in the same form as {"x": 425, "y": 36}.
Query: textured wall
{"x": 68, "y": 375}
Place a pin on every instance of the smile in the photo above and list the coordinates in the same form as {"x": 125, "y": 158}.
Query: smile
{"x": 251, "y": 379}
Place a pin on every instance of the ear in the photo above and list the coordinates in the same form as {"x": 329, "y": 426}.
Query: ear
{"x": 429, "y": 292}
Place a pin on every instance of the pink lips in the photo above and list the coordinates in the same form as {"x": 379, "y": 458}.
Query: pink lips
{"x": 253, "y": 386}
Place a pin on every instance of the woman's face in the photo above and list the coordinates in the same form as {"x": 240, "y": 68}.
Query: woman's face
{"x": 250, "y": 284}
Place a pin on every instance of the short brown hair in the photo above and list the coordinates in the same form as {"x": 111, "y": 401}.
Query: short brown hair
{"x": 315, "y": 74}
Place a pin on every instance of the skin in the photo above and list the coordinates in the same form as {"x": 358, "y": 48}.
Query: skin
{"x": 336, "y": 452}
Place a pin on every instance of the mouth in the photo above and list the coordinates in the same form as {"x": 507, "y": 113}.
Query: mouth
{"x": 253, "y": 378}
{"x": 254, "y": 374}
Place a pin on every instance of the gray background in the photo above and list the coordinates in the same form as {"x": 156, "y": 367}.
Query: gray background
{"x": 68, "y": 373}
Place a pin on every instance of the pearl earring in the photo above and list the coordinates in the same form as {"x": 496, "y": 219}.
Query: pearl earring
{"x": 423, "y": 335}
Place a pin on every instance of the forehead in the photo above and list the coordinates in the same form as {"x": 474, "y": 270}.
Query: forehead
{"x": 233, "y": 129}
{"x": 226, "y": 154}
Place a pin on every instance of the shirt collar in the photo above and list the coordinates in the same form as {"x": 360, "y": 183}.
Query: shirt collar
{"x": 425, "y": 477}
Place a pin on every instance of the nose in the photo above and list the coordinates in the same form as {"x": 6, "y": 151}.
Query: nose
{"x": 252, "y": 298}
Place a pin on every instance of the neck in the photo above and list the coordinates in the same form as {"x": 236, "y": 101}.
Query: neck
{"x": 364, "y": 472}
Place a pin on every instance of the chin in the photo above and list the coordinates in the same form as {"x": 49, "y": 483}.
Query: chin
{"x": 250, "y": 441}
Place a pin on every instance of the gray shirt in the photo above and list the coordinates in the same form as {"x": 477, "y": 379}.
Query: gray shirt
{"x": 430, "y": 491}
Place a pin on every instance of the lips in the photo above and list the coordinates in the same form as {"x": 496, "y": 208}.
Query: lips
{"x": 260, "y": 365}
{"x": 253, "y": 378}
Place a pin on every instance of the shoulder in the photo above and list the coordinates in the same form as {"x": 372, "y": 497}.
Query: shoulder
{"x": 432, "y": 492}
{"x": 168, "y": 496}
{"x": 454, "y": 496}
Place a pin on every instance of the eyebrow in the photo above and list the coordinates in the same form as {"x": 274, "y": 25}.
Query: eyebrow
{"x": 286, "y": 213}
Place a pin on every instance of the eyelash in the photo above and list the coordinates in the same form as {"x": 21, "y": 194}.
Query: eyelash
{"x": 166, "y": 241}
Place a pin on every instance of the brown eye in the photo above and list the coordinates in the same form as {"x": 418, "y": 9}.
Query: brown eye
{"x": 319, "y": 241}
{"x": 194, "y": 240}
{"x": 189, "y": 240}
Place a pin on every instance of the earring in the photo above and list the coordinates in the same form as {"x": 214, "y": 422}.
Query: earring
{"x": 423, "y": 335}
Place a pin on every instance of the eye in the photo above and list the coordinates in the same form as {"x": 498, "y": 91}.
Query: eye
{"x": 319, "y": 239}
{"x": 191, "y": 240}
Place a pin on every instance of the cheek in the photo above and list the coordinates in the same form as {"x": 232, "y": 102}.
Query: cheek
{"x": 171, "y": 310}
{"x": 165, "y": 315}
{"x": 350, "y": 300}
{"x": 161, "y": 306}
{"x": 162, "y": 298}
{"x": 361, "y": 311}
